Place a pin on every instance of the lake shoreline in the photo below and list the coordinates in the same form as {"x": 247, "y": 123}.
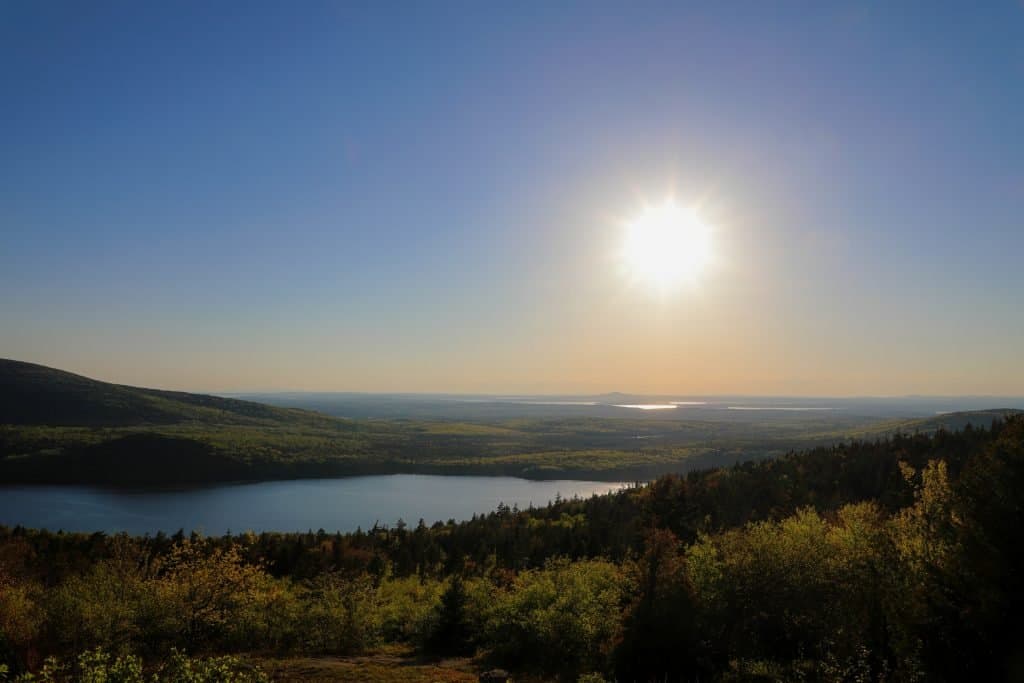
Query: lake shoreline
{"x": 200, "y": 486}
{"x": 170, "y": 477}
{"x": 339, "y": 504}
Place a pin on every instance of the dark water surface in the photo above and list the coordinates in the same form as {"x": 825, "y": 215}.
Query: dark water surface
{"x": 298, "y": 505}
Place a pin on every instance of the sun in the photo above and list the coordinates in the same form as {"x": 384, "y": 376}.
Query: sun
{"x": 667, "y": 245}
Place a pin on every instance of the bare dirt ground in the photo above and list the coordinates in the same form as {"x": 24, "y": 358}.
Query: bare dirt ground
{"x": 401, "y": 666}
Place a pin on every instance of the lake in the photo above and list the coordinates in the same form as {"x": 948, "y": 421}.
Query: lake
{"x": 296, "y": 505}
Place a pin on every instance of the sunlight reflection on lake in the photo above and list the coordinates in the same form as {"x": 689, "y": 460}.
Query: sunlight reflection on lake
{"x": 648, "y": 406}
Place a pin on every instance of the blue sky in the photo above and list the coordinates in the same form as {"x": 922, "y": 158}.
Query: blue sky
{"x": 429, "y": 196}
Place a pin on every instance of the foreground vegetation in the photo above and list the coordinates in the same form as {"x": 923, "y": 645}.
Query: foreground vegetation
{"x": 895, "y": 560}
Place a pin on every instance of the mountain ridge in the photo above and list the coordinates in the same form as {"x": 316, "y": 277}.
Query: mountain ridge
{"x": 33, "y": 394}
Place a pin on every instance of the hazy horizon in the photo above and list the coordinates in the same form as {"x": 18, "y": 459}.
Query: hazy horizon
{"x": 545, "y": 199}
{"x": 514, "y": 396}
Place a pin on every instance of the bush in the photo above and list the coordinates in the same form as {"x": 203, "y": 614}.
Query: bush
{"x": 99, "y": 666}
{"x": 184, "y": 669}
{"x": 95, "y": 666}
{"x": 559, "y": 619}
{"x": 341, "y": 616}
{"x": 408, "y": 609}
{"x": 20, "y": 621}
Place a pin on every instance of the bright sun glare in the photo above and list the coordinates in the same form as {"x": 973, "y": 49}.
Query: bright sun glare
{"x": 667, "y": 245}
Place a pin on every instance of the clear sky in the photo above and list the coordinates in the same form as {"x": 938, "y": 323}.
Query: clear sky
{"x": 425, "y": 196}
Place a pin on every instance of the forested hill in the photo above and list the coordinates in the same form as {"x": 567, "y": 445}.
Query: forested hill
{"x": 59, "y": 427}
{"x": 952, "y": 421}
{"x": 33, "y": 394}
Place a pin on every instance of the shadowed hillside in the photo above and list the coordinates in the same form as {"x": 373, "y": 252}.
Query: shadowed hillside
{"x": 58, "y": 427}
{"x": 33, "y": 394}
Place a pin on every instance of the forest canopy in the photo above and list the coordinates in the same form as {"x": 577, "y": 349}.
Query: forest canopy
{"x": 896, "y": 559}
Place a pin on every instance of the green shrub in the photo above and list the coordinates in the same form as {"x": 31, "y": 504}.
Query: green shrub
{"x": 559, "y": 619}
{"x": 95, "y": 666}
{"x": 408, "y": 608}
{"x": 184, "y": 669}
{"x": 341, "y": 616}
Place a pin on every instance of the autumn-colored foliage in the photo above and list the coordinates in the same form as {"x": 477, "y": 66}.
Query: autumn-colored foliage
{"x": 893, "y": 561}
